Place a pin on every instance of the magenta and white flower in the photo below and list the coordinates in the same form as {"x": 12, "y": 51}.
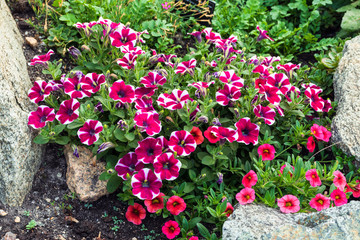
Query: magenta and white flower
{"x": 248, "y": 132}
{"x": 119, "y": 91}
{"x": 263, "y": 70}
{"x": 270, "y": 94}
{"x": 40, "y": 91}
{"x": 145, "y": 104}
{"x": 227, "y": 133}
{"x": 132, "y": 50}
{"x": 68, "y": 111}
{"x": 266, "y": 113}
{"x": 229, "y": 94}
{"x": 268, "y": 61}
{"x": 182, "y": 142}
{"x": 289, "y": 68}
{"x": 316, "y": 102}
{"x": 92, "y": 82}
{"x": 210, "y": 35}
{"x": 128, "y": 164}
{"x": 146, "y": 185}
{"x": 41, "y": 116}
{"x": 123, "y": 36}
{"x": 230, "y": 77}
{"x": 201, "y": 87}
{"x": 89, "y": 133}
{"x": 148, "y": 149}
{"x": 144, "y": 91}
{"x": 42, "y": 59}
{"x": 128, "y": 61}
{"x": 149, "y": 122}
{"x": 153, "y": 79}
{"x": 164, "y": 144}
{"x": 262, "y": 35}
{"x": 166, "y": 166}
{"x": 176, "y": 100}
{"x": 73, "y": 87}
{"x": 186, "y": 67}
{"x": 279, "y": 81}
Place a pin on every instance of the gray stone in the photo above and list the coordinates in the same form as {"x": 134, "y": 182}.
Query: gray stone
{"x": 253, "y": 221}
{"x": 19, "y": 157}
{"x": 346, "y": 123}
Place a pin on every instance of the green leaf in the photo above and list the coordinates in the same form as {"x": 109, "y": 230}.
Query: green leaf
{"x": 62, "y": 140}
{"x": 212, "y": 212}
{"x": 194, "y": 221}
{"x": 189, "y": 187}
{"x": 192, "y": 174}
{"x": 120, "y": 135}
{"x": 130, "y": 136}
{"x": 59, "y": 128}
{"x": 104, "y": 176}
{"x": 113, "y": 183}
{"x": 75, "y": 124}
{"x": 203, "y": 230}
{"x": 208, "y": 160}
{"x": 185, "y": 224}
{"x": 40, "y": 139}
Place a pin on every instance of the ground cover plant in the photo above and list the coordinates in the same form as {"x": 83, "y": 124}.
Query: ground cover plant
{"x": 190, "y": 137}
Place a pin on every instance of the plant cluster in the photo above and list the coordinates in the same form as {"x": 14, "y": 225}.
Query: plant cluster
{"x": 192, "y": 136}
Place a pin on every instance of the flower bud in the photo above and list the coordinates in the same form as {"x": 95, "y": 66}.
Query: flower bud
{"x": 85, "y": 48}
{"x": 105, "y": 146}
{"x": 74, "y": 52}
{"x": 216, "y": 122}
{"x": 75, "y": 149}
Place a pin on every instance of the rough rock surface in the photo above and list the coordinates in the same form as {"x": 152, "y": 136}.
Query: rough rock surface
{"x": 260, "y": 222}
{"x": 82, "y": 176}
{"x": 346, "y": 123}
{"x": 19, "y": 157}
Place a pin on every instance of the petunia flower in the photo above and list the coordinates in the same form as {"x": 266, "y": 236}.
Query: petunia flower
{"x": 128, "y": 61}
{"x": 148, "y": 149}
{"x": 316, "y": 102}
{"x": 228, "y": 134}
{"x": 210, "y": 35}
{"x": 153, "y": 79}
{"x": 155, "y": 204}
{"x": 119, "y": 91}
{"x": 123, "y": 36}
{"x": 135, "y": 213}
{"x": 310, "y": 145}
{"x": 230, "y": 77}
{"x": 127, "y": 165}
{"x": 339, "y": 180}
{"x": 89, "y": 133}
{"x": 41, "y": 116}
{"x": 105, "y": 146}
{"x": 229, "y": 209}
{"x": 148, "y": 121}
{"x": 266, "y": 113}
{"x": 248, "y": 132}
{"x": 262, "y": 35}
{"x": 186, "y": 67}
{"x": 320, "y": 202}
{"x": 268, "y": 61}
{"x": 197, "y": 134}
{"x": 194, "y": 238}
{"x": 132, "y": 50}
{"x": 201, "y": 88}
{"x": 289, "y": 68}
{"x": 289, "y": 204}
{"x": 167, "y": 167}
{"x": 246, "y": 196}
{"x": 42, "y": 59}
{"x": 73, "y": 87}
{"x": 39, "y": 91}
{"x": 164, "y": 144}
{"x": 171, "y": 229}
{"x": 212, "y": 134}
{"x": 320, "y": 133}
{"x": 262, "y": 70}
{"x": 267, "y": 152}
{"x": 228, "y": 94}
{"x": 175, "y": 205}
{"x": 279, "y": 81}
{"x": 250, "y": 179}
{"x": 313, "y": 177}
{"x": 197, "y": 35}
{"x": 145, "y": 184}
{"x": 182, "y": 142}
{"x": 143, "y": 91}
{"x": 145, "y": 104}
{"x": 92, "y": 82}
{"x": 175, "y": 100}
{"x": 339, "y": 197}
{"x": 271, "y": 94}
{"x": 354, "y": 189}
{"x": 68, "y": 111}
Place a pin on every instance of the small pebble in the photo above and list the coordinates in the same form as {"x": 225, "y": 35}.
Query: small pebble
{"x": 32, "y": 42}
{"x": 57, "y": 198}
{"x": 134, "y": 238}
{"x": 48, "y": 200}
{"x": 59, "y": 175}
{"x": 9, "y": 236}
{"x": 3, "y": 213}
{"x": 17, "y": 219}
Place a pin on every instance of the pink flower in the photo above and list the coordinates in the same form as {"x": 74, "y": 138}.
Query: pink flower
{"x": 186, "y": 67}
{"x": 144, "y": 104}
{"x": 135, "y": 213}
{"x": 39, "y": 91}
{"x": 230, "y": 77}
{"x": 155, "y": 204}
{"x": 316, "y": 102}
{"x": 248, "y": 132}
{"x": 143, "y": 91}
{"x": 320, "y": 133}
{"x": 197, "y": 35}
{"x": 212, "y": 134}
{"x": 119, "y": 91}
{"x": 73, "y": 87}
{"x": 250, "y": 179}
{"x": 288, "y": 68}
{"x": 271, "y": 94}
{"x": 310, "y": 145}
{"x": 262, "y": 35}
{"x": 164, "y": 144}
{"x": 268, "y": 61}
{"x": 313, "y": 177}
{"x": 68, "y": 111}
{"x": 201, "y": 88}
{"x": 42, "y": 59}
{"x": 147, "y": 150}
{"x": 89, "y": 133}
{"x": 149, "y": 122}
{"x": 339, "y": 197}
{"x": 265, "y": 113}
{"x": 245, "y": 196}
{"x": 145, "y": 184}
{"x": 123, "y": 36}
{"x": 320, "y": 202}
{"x": 355, "y": 189}
{"x": 227, "y": 95}
{"x": 128, "y": 164}
{"x": 128, "y": 61}
{"x": 210, "y": 35}
{"x": 289, "y": 204}
{"x": 41, "y": 116}
{"x": 171, "y": 229}
{"x": 166, "y": 5}
{"x": 175, "y": 205}
{"x": 227, "y": 133}
{"x": 229, "y": 209}
{"x": 182, "y": 142}
{"x": 283, "y": 167}
{"x": 175, "y": 100}
{"x": 194, "y": 238}
{"x": 339, "y": 180}
{"x": 92, "y": 82}
{"x": 153, "y": 79}
{"x": 279, "y": 81}
{"x": 132, "y": 50}
{"x": 263, "y": 70}
{"x": 167, "y": 167}
{"x": 267, "y": 152}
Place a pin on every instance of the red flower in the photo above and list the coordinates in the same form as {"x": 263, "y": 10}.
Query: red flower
{"x": 227, "y": 133}
{"x": 279, "y": 81}
{"x": 128, "y": 164}
{"x": 175, "y": 205}
{"x": 266, "y": 151}
{"x": 271, "y": 94}
{"x": 167, "y": 167}
{"x": 212, "y": 134}
{"x": 123, "y": 36}
{"x": 339, "y": 197}
{"x": 265, "y": 113}
{"x": 355, "y": 189}
{"x": 92, "y": 82}
{"x": 40, "y": 91}
{"x": 197, "y": 134}
{"x": 320, "y": 133}
{"x": 89, "y": 133}
{"x": 155, "y": 204}
{"x": 320, "y": 202}
{"x": 68, "y": 111}
{"x": 152, "y": 80}
{"x": 171, "y": 229}
{"x": 149, "y": 122}
{"x": 245, "y": 196}
{"x": 73, "y": 87}
{"x": 145, "y": 184}
{"x": 186, "y": 67}
{"x": 310, "y": 145}
{"x": 231, "y": 78}
{"x": 227, "y": 95}
{"x": 148, "y": 149}
{"x": 229, "y": 209}
{"x": 250, "y": 179}
{"x": 121, "y": 92}
{"x": 312, "y": 176}
{"x": 289, "y": 204}
{"x": 135, "y": 214}
{"x": 41, "y": 116}
{"x": 182, "y": 142}
{"x": 339, "y": 180}
{"x": 248, "y": 132}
